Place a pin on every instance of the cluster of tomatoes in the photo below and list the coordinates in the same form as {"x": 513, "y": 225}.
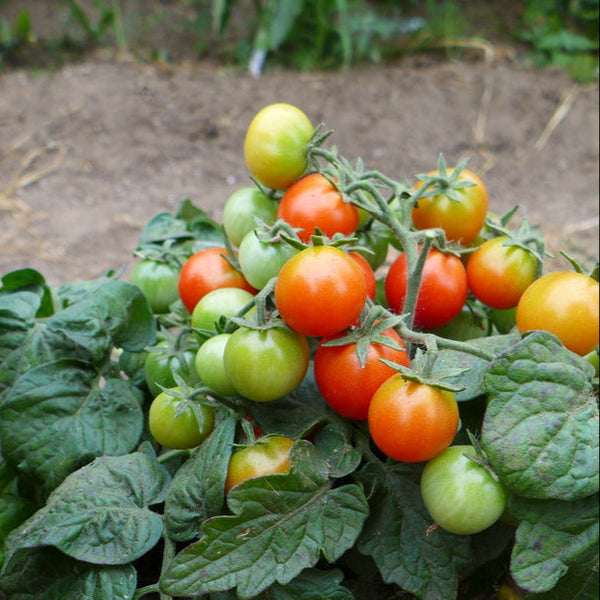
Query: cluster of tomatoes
{"x": 296, "y": 285}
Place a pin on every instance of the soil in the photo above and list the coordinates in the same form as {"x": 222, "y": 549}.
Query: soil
{"x": 89, "y": 152}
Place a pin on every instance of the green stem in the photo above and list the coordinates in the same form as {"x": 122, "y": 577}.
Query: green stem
{"x": 144, "y": 591}
{"x": 168, "y": 555}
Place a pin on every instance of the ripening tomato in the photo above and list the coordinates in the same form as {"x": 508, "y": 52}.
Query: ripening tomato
{"x": 242, "y": 207}
{"x": 460, "y": 219}
{"x": 498, "y": 273}
{"x": 461, "y": 496}
{"x": 176, "y": 423}
{"x": 442, "y": 293}
{"x": 368, "y": 272}
{"x": 276, "y": 145}
{"x": 312, "y": 202}
{"x": 412, "y": 422}
{"x": 266, "y": 456}
{"x": 205, "y": 271}
{"x": 345, "y": 384}
{"x": 565, "y": 304}
{"x": 320, "y": 291}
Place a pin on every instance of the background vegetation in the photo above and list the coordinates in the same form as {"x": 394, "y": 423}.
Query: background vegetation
{"x": 300, "y": 34}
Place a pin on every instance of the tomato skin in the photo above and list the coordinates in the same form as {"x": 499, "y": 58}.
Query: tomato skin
{"x": 368, "y": 273}
{"x": 461, "y": 496}
{"x": 412, "y": 422}
{"x": 261, "y": 261}
{"x": 565, "y": 304}
{"x": 312, "y": 202}
{"x": 498, "y": 275}
{"x": 320, "y": 291}
{"x": 241, "y": 208}
{"x": 205, "y": 271}
{"x": 266, "y": 456}
{"x": 176, "y": 427}
{"x": 264, "y": 365}
{"x": 222, "y": 302}
{"x": 210, "y": 365}
{"x": 442, "y": 293}
{"x": 162, "y": 361}
{"x": 348, "y": 387}
{"x": 275, "y": 146}
{"x": 462, "y": 220}
{"x": 158, "y": 282}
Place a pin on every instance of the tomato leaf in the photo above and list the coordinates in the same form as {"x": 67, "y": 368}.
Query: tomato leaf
{"x": 552, "y": 537}
{"x": 47, "y": 574}
{"x": 333, "y": 442}
{"x": 540, "y": 430}
{"x": 398, "y": 537}
{"x": 99, "y": 513}
{"x": 280, "y": 525}
{"x": 62, "y": 414}
{"x": 197, "y": 491}
{"x": 310, "y": 584}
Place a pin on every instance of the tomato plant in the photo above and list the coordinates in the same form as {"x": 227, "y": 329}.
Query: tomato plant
{"x": 442, "y": 293}
{"x": 411, "y": 421}
{"x": 312, "y": 203}
{"x": 320, "y": 291}
{"x": 347, "y": 385}
{"x": 461, "y": 495}
{"x": 179, "y": 423}
{"x": 498, "y": 273}
{"x": 242, "y": 209}
{"x": 275, "y": 147}
{"x": 565, "y": 304}
{"x": 459, "y": 209}
{"x": 266, "y": 456}
{"x": 205, "y": 271}
{"x": 264, "y": 365}
{"x": 158, "y": 280}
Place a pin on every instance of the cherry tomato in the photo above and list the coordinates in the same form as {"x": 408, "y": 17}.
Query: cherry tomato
{"x": 158, "y": 282}
{"x": 241, "y": 208}
{"x": 222, "y": 302}
{"x": 275, "y": 146}
{"x": 412, "y": 422}
{"x": 210, "y": 365}
{"x": 373, "y": 245}
{"x": 565, "y": 304}
{"x": 163, "y": 360}
{"x": 442, "y": 293}
{"x": 205, "y": 271}
{"x": 312, "y": 202}
{"x": 461, "y": 220}
{"x": 368, "y": 273}
{"x": 268, "y": 455}
{"x": 176, "y": 423}
{"x": 261, "y": 261}
{"x": 461, "y": 496}
{"x": 264, "y": 365}
{"x": 498, "y": 274}
{"x": 320, "y": 291}
{"x": 345, "y": 384}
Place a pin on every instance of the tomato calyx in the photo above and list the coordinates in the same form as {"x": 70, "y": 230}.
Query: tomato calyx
{"x": 480, "y": 458}
{"x": 442, "y": 182}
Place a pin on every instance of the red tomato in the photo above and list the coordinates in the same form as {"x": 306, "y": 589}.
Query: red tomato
{"x": 311, "y": 202}
{"x": 461, "y": 219}
{"x": 348, "y": 387}
{"x": 205, "y": 271}
{"x": 412, "y": 422}
{"x": 320, "y": 291}
{"x": 442, "y": 293}
{"x": 368, "y": 272}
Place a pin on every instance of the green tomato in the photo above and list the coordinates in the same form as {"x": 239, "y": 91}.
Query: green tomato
{"x": 264, "y": 365}
{"x": 163, "y": 360}
{"x": 222, "y": 302}
{"x": 268, "y": 455}
{"x": 158, "y": 282}
{"x": 178, "y": 423}
{"x": 461, "y": 496}
{"x": 210, "y": 365}
{"x": 261, "y": 261}
{"x": 242, "y": 207}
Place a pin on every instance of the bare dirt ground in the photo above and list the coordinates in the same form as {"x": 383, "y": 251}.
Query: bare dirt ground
{"x": 90, "y": 152}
